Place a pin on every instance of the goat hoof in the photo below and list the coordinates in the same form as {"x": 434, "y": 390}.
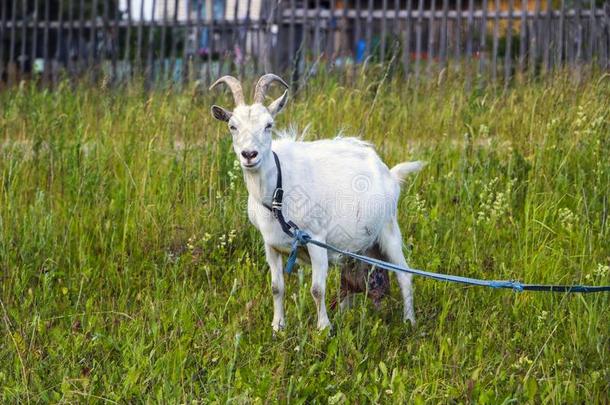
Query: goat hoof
{"x": 323, "y": 325}
{"x": 410, "y": 320}
{"x": 278, "y": 327}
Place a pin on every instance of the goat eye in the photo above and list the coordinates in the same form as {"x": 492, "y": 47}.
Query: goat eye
{"x": 269, "y": 126}
{"x": 232, "y": 127}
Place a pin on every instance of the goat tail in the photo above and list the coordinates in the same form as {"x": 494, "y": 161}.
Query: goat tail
{"x": 401, "y": 170}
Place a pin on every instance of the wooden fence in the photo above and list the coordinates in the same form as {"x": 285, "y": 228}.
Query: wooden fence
{"x": 174, "y": 41}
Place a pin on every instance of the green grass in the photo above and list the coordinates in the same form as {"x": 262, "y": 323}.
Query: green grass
{"x": 130, "y": 272}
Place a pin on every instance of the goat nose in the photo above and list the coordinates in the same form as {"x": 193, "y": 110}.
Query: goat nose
{"x": 249, "y": 154}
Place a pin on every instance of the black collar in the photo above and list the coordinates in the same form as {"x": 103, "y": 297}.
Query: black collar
{"x": 276, "y": 202}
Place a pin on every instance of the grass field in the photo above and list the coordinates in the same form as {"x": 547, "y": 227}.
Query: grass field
{"x": 130, "y": 272}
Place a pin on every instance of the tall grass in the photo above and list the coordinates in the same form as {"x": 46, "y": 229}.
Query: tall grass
{"x": 130, "y": 272}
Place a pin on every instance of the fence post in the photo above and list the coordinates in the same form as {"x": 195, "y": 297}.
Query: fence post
{"x": 431, "y": 37}
{"x": 105, "y": 31}
{"x": 185, "y": 50}
{"x": 606, "y": 36}
{"x": 11, "y": 60}
{"x": 523, "y": 38}
{"x": 408, "y": 27}
{"x": 115, "y": 42}
{"x": 443, "y": 45}
{"x": 562, "y": 15}
{"x": 579, "y": 32}
{"x": 139, "y": 55}
{"x": 546, "y": 62}
{"x": 24, "y": 38}
{"x": 162, "y": 67}
{"x": 458, "y": 33}
{"x": 358, "y": 25}
{"x": 369, "y": 29}
{"x": 482, "y": 43}
{"x": 382, "y": 43}
{"x": 2, "y": 34}
{"x": 509, "y": 38}
{"x": 172, "y": 70}
{"x": 418, "y": 38}
{"x": 469, "y": 39}
{"x": 81, "y": 36}
{"x": 69, "y": 65}
{"x": 150, "y": 60}
{"x": 535, "y": 40}
{"x": 45, "y": 50}
{"x": 92, "y": 41}
{"x": 494, "y": 58}
{"x": 592, "y": 32}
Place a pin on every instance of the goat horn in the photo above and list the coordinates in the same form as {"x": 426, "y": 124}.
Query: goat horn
{"x": 263, "y": 85}
{"x": 234, "y": 85}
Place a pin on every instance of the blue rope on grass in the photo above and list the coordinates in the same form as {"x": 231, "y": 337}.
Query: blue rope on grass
{"x": 301, "y": 238}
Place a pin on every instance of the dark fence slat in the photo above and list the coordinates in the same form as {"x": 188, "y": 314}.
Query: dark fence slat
{"x": 592, "y": 32}
{"x": 211, "y": 26}
{"x": 162, "y": 47}
{"x": 330, "y": 28}
{"x": 523, "y": 37}
{"x": 418, "y": 38}
{"x": 458, "y": 32}
{"x": 174, "y": 38}
{"x": 92, "y": 51}
{"x": 384, "y": 23}
{"x": 105, "y": 32}
{"x": 483, "y": 39}
{"x": 496, "y": 41}
{"x": 547, "y": 42}
{"x": 579, "y": 31}
{"x": 70, "y": 43}
{"x": 357, "y": 25}
{"x": 139, "y": 49}
{"x": 605, "y": 46}
{"x": 343, "y": 41}
{"x": 292, "y": 34}
{"x": 11, "y": 61}
{"x": 244, "y": 39}
{"x": 396, "y": 20}
{"x": 81, "y": 37}
{"x": 470, "y": 29}
{"x": 24, "y": 38}
{"x": 431, "y": 37}
{"x": 316, "y": 32}
{"x": 185, "y": 49}
{"x": 115, "y": 44}
{"x": 535, "y": 40}
{"x": 150, "y": 60}
{"x": 509, "y": 40}
{"x": 2, "y": 36}
{"x": 443, "y": 45}
{"x": 127, "y": 52}
{"x": 230, "y": 56}
{"x": 407, "y": 37}
{"x": 560, "y": 32}
{"x": 369, "y": 29}
{"x": 45, "y": 43}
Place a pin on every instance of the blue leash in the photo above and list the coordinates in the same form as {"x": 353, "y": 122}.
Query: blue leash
{"x": 301, "y": 238}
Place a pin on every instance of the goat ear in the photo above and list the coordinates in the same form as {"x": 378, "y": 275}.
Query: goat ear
{"x": 221, "y": 114}
{"x": 278, "y": 104}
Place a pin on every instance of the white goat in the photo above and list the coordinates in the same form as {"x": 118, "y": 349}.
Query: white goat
{"x": 338, "y": 191}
